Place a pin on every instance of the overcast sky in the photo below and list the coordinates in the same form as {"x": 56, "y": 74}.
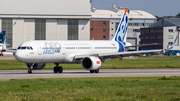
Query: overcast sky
{"x": 155, "y": 7}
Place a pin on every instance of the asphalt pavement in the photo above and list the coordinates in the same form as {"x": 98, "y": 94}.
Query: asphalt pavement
{"x": 81, "y": 73}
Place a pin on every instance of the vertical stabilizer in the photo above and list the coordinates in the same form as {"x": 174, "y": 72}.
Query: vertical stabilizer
{"x": 5, "y": 43}
{"x": 122, "y": 28}
{"x": 2, "y": 36}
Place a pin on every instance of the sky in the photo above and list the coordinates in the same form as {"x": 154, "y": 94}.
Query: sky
{"x": 155, "y": 7}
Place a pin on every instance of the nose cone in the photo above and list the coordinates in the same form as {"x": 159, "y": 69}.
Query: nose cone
{"x": 20, "y": 56}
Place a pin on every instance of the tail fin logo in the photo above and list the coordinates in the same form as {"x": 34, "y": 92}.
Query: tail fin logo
{"x": 122, "y": 28}
{"x": 2, "y": 36}
{"x": 5, "y": 43}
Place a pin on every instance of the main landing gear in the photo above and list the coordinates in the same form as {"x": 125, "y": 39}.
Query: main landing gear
{"x": 1, "y": 54}
{"x": 58, "y": 69}
{"x": 94, "y": 71}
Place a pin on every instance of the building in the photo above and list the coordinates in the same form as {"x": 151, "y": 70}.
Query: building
{"x": 151, "y": 36}
{"x": 25, "y": 20}
{"x": 163, "y": 32}
{"x": 101, "y": 27}
{"x": 111, "y": 16}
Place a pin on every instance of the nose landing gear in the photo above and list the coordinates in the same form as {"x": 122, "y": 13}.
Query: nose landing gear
{"x": 31, "y": 67}
{"x": 30, "y": 71}
{"x": 58, "y": 69}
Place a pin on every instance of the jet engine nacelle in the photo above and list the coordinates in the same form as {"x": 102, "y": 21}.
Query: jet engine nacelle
{"x": 35, "y": 66}
{"x": 91, "y": 63}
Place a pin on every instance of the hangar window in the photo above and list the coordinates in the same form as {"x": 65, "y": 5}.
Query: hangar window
{"x": 140, "y": 24}
{"x": 136, "y": 30}
{"x": 104, "y": 23}
{"x": 159, "y": 37}
{"x": 170, "y": 43}
{"x": 135, "y": 24}
{"x": 7, "y": 26}
{"x": 153, "y": 37}
{"x": 147, "y": 31}
{"x": 117, "y": 24}
{"x": 148, "y": 24}
{"x": 146, "y": 37}
{"x": 40, "y": 29}
{"x": 104, "y": 37}
{"x": 171, "y": 30}
{"x": 152, "y": 30}
{"x": 129, "y": 24}
{"x": 104, "y": 30}
{"x": 73, "y": 29}
{"x": 143, "y": 31}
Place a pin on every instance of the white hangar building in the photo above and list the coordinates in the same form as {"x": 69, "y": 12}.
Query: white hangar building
{"x": 25, "y": 20}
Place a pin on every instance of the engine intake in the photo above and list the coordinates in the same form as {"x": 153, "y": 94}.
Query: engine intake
{"x": 91, "y": 63}
{"x": 35, "y": 66}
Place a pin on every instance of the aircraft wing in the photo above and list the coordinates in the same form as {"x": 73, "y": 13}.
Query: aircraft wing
{"x": 117, "y": 54}
{"x": 141, "y": 45}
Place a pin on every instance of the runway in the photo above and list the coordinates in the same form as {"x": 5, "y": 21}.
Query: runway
{"x": 81, "y": 73}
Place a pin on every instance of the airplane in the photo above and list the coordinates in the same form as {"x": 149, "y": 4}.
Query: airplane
{"x": 90, "y": 53}
{"x": 2, "y": 36}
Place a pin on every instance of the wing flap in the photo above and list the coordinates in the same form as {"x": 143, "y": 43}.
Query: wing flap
{"x": 131, "y": 53}
{"x": 142, "y": 45}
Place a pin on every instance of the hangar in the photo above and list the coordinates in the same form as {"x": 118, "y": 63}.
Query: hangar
{"x": 25, "y": 20}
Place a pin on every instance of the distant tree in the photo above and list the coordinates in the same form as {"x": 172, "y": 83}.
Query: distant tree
{"x": 178, "y": 14}
{"x": 156, "y": 16}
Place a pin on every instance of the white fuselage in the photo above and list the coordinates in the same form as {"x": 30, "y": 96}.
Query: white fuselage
{"x": 62, "y": 51}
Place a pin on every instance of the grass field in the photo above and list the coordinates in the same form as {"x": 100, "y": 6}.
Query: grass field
{"x": 138, "y": 62}
{"x": 92, "y": 89}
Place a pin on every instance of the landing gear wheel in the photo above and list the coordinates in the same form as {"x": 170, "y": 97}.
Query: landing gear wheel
{"x": 60, "y": 69}
{"x": 96, "y": 71}
{"x": 55, "y": 69}
{"x": 91, "y": 71}
{"x": 30, "y": 71}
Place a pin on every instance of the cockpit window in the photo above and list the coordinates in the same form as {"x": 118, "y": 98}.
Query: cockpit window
{"x": 19, "y": 48}
{"x": 23, "y": 47}
{"x": 28, "y": 48}
{"x": 31, "y": 48}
